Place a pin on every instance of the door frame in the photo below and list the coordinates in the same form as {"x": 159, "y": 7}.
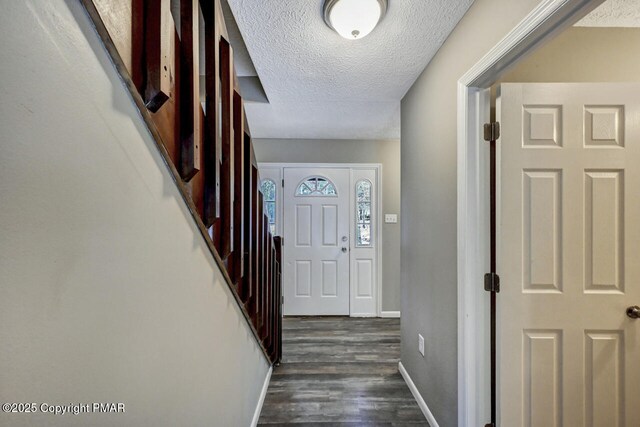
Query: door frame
{"x": 544, "y": 22}
{"x": 377, "y": 221}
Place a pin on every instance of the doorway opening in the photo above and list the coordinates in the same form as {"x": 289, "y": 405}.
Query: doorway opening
{"x": 329, "y": 216}
{"x": 566, "y": 178}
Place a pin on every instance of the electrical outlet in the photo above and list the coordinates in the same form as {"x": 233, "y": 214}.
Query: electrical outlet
{"x": 421, "y": 344}
{"x": 390, "y": 218}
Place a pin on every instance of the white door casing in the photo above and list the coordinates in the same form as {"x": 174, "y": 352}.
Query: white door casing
{"x": 568, "y": 247}
{"x": 548, "y": 19}
{"x": 316, "y": 244}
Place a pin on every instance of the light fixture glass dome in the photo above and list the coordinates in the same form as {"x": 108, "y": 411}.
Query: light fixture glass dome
{"x": 354, "y": 19}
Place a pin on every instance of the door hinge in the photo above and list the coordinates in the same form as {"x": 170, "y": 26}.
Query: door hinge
{"x": 491, "y": 282}
{"x": 283, "y": 183}
{"x": 491, "y": 131}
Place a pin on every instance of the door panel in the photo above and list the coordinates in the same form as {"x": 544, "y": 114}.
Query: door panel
{"x": 330, "y": 225}
{"x": 317, "y": 225}
{"x": 364, "y": 278}
{"x": 568, "y": 254}
{"x": 329, "y": 278}
{"x": 303, "y": 278}
{"x": 303, "y": 225}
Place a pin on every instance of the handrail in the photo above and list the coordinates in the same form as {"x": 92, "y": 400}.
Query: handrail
{"x": 208, "y": 152}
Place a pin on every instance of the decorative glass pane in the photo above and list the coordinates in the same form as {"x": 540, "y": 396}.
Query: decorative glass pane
{"x": 364, "y": 212}
{"x": 269, "y": 190}
{"x": 304, "y": 190}
{"x": 316, "y": 186}
{"x": 271, "y": 212}
{"x": 363, "y": 191}
{"x": 311, "y": 184}
{"x": 272, "y": 228}
{"x": 363, "y": 237}
{"x": 329, "y": 190}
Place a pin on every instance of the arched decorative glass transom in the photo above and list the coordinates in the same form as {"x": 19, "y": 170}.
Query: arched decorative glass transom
{"x": 316, "y": 186}
{"x": 268, "y": 188}
{"x": 363, "y": 213}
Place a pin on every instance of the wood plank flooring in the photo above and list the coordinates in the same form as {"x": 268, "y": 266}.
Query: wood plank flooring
{"x": 340, "y": 371}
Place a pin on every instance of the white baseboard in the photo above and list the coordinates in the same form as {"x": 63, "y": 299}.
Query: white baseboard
{"x": 416, "y": 394}
{"x": 263, "y": 394}
{"x": 390, "y": 314}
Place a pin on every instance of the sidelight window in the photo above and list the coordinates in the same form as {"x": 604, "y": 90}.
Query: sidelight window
{"x": 268, "y": 188}
{"x": 363, "y": 213}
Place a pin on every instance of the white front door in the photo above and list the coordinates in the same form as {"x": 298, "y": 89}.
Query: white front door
{"x": 569, "y": 255}
{"x": 316, "y": 241}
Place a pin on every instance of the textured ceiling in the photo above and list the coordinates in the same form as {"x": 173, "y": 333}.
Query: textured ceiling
{"x": 322, "y": 86}
{"x": 614, "y": 13}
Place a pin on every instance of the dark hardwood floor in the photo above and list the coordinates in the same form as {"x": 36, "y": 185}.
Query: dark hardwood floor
{"x": 340, "y": 371}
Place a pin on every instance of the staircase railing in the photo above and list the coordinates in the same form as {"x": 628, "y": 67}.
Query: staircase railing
{"x": 204, "y": 139}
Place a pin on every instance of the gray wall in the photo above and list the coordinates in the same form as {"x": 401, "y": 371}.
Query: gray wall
{"x": 429, "y": 191}
{"x": 108, "y": 292}
{"x": 386, "y": 152}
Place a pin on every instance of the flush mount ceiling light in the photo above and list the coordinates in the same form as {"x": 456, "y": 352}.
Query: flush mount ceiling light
{"x": 354, "y": 19}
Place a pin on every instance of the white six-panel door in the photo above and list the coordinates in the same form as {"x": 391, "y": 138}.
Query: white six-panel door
{"x": 316, "y": 242}
{"x": 569, "y": 255}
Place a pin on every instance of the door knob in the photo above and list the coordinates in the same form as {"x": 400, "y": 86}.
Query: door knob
{"x": 633, "y": 312}
{"x": 344, "y": 249}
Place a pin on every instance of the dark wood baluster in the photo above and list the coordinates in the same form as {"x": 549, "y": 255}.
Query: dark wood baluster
{"x": 226, "y": 195}
{"x": 212, "y": 125}
{"x": 261, "y": 263}
{"x": 238, "y": 192}
{"x": 264, "y": 224}
{"x": 247, "y": 223}
{"x": 274, "y": 301}
{"x": 272, "y": 260}
{"x": 255, "y": 244}
{"x": 190, "y": 134}
{"x": 268, "y": 295}
{"x": 265, "y": 269}
{"x": 278, "y": 311}
{"x": 159, "y": 33}
{"x": 136, "y": 66}
{"x": 272, "y": 319}
{"x": 261, "y": 278}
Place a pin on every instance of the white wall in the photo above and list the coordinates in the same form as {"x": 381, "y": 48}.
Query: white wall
{"x": 386, "y": 152}
{"x": 107, "y": 290}
{"x": 429, "y": 203}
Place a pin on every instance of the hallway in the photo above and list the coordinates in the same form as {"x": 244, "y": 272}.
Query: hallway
{"x": 340, "y": 371}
